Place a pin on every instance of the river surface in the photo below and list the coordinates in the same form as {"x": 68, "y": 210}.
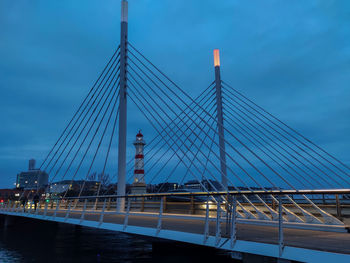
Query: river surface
{"x": 25, "y": 240}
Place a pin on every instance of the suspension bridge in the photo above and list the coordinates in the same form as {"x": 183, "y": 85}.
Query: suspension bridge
{"x": 262, "y": 187}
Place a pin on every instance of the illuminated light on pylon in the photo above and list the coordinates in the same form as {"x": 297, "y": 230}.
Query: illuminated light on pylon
{"x": 216, "y": 58}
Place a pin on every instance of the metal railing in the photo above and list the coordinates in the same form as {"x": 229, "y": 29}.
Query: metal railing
{"x": 217, "y": 213}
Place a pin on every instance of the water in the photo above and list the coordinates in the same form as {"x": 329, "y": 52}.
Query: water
{"x": 25, "y": 240}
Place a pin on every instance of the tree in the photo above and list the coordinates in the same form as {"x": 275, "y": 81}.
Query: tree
{"x": 104, "y": 179}
{"x": 92, "y": 177}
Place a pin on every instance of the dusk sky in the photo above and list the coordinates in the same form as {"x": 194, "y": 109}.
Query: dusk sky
{"x": 291, "y": 57}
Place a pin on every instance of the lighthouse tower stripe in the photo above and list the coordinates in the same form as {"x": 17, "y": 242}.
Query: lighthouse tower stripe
{"x": 139, "y": 159}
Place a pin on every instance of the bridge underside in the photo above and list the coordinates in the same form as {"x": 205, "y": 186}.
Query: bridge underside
{"x": 300, "y": 244}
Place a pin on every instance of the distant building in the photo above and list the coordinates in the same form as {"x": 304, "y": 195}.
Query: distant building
{"x": 32, "y": 179}
{"x": 9, "y": 194}
{"x": 165, "y": 187}
{"x": 60, "y": 187}
{"x": 75, "y": 185}
{"x": 204, "y": 185}
{"x": 212, "y": 185}
{"x": 193, "y": 185}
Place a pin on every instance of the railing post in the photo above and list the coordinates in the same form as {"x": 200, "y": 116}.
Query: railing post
{"x": 37, "y": 208}
{"x": 109, "y": 204}
{"x": 17, "y": 208}
{"x": 57, "y": 207}
{"x": 116, "y": 206}
{"x": 338, "y": 206}
{"x": 273, "y": 204}
{"x": 103, "y": 212}
{"x": 280, "y": 226}
{"x": 22, "y": 208}
{"x": 159, "y": 225}
{"x": 218, "y": 223}
{"x": 192, "y": 205}
{"x": 30, "y": 208}
{"x": 127, "y": 214}
{"x": 76, "y": 201}
{"x": 206, "y": 224}
{"x": 142, "y": 203}
{"x": 233, "y": 229}
{"x": 96, "y": 202}
{"x": 227, "y": 202}
{"x": 68, "y": 209}
{"x": 13, "y": 208}
{"x": 164, "y": 204}
{"x": 45, "y": 211}
{"x": 83, "y": 212}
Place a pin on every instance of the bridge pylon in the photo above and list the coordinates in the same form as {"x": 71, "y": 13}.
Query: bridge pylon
{"x": 122, "y": 107}
{"x": 220, "y": 119}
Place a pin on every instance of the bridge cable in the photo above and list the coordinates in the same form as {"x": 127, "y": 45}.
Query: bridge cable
{"x": 230, "y": 113}
{"x": 284, "y": 135}
{"x": 108, "y": 151}
{"x": 273, "y": 141}
{"x": 262, "y": 145}
{"x": 98, "y": 88}
{"x": 187, "y": 138}
{"x": 93, "y": 123}
{"x": 179, "y": 161}
{"x": 28, "y": 193}
{"x": 203, "y": 120}
{"x": 190, "y": 98}
{"x": 96, "y": 131}
{"x": 84, "y": 117}
{"x": 171, "y": 173}
{"x": 85, "y": 125}
{"x": 143, "y": 111}
{"x": 301, "y": 156}
{"x": 242, "y": 156}
{"x": 293, "y": 130}
{"x": 168, "y": 149}
{"x": 168, "y": 126}
{"x": 81, "y": 105}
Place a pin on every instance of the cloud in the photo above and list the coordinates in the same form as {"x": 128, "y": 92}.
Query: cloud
{"x": 292, "y": 58}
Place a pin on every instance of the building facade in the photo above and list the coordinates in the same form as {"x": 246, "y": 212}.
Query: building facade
{"x": 33, "y": 179}
{"x": 75, "y": 186}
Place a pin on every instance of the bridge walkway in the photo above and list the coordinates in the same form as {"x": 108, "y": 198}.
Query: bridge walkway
{"x": 335, "y": 242}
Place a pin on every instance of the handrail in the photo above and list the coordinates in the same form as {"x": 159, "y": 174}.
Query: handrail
{"x": 189, "y": 194}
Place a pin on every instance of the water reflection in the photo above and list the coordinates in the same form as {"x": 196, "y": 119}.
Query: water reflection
{"x": 25, "y": 240}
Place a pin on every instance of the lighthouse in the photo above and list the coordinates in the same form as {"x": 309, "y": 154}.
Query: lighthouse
{"x": 139, "y": 186}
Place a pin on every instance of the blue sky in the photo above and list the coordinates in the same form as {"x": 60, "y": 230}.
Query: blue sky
{"x": 291, "y": 57}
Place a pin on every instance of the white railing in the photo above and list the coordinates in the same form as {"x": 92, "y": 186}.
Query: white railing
{"x": 224, "y": 210}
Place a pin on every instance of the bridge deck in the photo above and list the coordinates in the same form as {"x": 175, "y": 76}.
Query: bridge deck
{"x": 317, "y": 240}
